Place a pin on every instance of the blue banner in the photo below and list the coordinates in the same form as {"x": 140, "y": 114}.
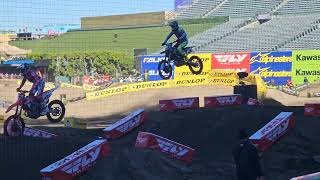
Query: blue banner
{"x": 149, "y": 64}
{"x": 274, "y": 67}
{"x": 181, "y": 4}
{"x": 17, "y": 62}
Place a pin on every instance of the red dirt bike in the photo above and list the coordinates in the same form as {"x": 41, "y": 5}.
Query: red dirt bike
{"x": 14, "y": 125}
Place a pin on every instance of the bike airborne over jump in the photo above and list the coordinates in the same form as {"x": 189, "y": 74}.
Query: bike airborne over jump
{"x": 171, "y": 55}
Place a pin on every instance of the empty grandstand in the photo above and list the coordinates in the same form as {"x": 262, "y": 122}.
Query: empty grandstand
{"x": 293, "y": 24}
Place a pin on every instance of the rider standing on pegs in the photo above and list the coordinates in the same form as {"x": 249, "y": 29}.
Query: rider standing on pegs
{"x": 37, "y": 87}
{"x": 182, "y": 39}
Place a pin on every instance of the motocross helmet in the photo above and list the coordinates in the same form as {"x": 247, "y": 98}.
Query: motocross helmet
{"x": 24, "y": 68}
{"x": 174, "y": 25}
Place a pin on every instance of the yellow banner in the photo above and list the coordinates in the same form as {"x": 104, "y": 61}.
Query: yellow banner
{"x": 195, "y": 81}
{"x": 184, "y": 72}
{"x": 223, "y": 77}
{"x": 66, "y": 85}
{"x": 149, "y": 85}
{"x": 90, "y": 87}
{"x": 107, "y": 92}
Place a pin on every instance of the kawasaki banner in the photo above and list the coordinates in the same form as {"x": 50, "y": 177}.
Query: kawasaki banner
{"x": 274, "y": 67}
{"x": 149, "y": 67}
{"x": 306, "y": 66}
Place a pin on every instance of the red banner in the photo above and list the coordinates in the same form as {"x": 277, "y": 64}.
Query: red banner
{"x": 152, "y": 141}
{"x": 312, "y": 109}
{"x": 125, "y": 125}
{"x": 76, "y": 163}
{"x": 37, "y": 133}
{"x": 96, "y": 81}
{"x": 231, "y": 61}
{"x": 273, "y": 131}
{"x": 218, "y": 101}
{"x": 253, "y": 102}
{"x": 173, "y": 104}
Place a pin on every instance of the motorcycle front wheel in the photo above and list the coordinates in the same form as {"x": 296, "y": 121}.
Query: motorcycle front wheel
{"x": 165, "y": 69}
{"x": 13, "y": 126}
{"x": 56, "y": 112}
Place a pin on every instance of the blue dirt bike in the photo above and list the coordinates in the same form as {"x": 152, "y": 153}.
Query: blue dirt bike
{"x": 171, "y": 55}
{"x": 14, "y": 125}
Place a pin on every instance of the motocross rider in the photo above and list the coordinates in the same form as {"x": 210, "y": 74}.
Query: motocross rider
{"x": 37, "y": 87}
{"x": 182, "y": 39}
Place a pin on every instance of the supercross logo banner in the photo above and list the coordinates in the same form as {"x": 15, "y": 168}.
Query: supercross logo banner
{"x": 149, "y": 67}
{"x": 217, "y": 101}
{"x": 37, "y": 133}
{"x": 152, "y": 141}
{"x": 173, "y": 104}
{"x": 76, "y": 163}
{"x": 125, "y": 125}
{"x": 274, "y": 67}
{"x": 231, "y": 61}
{"x": 273, "y": 131}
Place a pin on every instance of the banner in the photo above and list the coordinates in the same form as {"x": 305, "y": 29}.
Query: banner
{"x": 231, "y": 61}
{"x": 306, "y": 66}
{"x": 149, "y": 65}
{"x": 273, "y": 67}
{"x": 223, "y": 77}
{"x": 184, "y": 72}
{"x": 182, "y": 4}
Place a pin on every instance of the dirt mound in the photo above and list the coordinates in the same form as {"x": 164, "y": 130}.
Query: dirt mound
{"x": 211, "y": 132}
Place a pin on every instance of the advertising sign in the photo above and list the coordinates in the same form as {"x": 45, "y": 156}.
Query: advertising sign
{"x": 306, "y": 66}
{"x": 181, "y": 4}
{"x": 273, "y": 67}
{"x": 149, "y": 64}
{"x": 183, "y": 72}
{"x": 231, "y": 61}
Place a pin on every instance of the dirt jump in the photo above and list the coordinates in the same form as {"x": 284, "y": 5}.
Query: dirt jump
{"x": 211, "y": 132}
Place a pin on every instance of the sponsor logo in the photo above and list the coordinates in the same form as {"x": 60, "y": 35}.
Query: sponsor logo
{"x": 300, "y": 57}
{"x": 142, "y": 140}
{"x": 222, "y": 81}
{"x": 265, "y": 58}
{"x": 82, "y": 163}
{"x": 171, "y": 148}
{"x": 231, "y": 58}
{"x": 273, "y": 124}
{"x": 308, "y": 110}
{"x": 263, "y": 72}
{"x": 183, "y": 102}
{"x": 226, "y": 100}
{"x": 149, "y": 85}
{"x": 110, "y": 91}
{"x": 190, "y": 73}
{"x": 274, "y": 134}
{"x": 190, "y": 81}
{"x": 35, "y": 133}
{"x": 300, "y": 72}
{"x": 134, "y": 122}
{"x": 153, "y": 59}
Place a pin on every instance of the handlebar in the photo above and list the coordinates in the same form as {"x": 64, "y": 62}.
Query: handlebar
{"x": 22, "y": 91}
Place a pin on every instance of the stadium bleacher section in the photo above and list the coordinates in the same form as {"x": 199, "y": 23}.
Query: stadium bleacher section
{"x": 294, "y": 25}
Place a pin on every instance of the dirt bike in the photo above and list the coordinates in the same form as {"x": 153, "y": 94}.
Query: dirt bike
{"x": 171, "y": 55}
{"x": 14, "y": 125}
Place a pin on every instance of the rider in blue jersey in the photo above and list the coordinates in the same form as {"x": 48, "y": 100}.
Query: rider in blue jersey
{"x": 182, "y": 38}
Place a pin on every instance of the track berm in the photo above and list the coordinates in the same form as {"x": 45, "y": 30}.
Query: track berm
{"x": 211, "y": 132}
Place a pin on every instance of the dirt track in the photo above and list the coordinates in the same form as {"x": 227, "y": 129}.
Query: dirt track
{"x": 211, "y": 132}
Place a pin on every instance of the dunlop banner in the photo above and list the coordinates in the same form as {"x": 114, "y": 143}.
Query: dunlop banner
{"x": 222, "y": 77}
{"x": 149, "y": 85}
{"x": 196, "y": 81}
{"x": 184, "y": 72}
{"x": 107, "y": 92}
{"x": 306, "y": 66}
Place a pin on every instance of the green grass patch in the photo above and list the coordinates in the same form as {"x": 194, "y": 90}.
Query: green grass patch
{"x": 128, "y": 39}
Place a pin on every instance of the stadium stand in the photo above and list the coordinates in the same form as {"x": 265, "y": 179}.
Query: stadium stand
{"x": 267, "y": 36}
{"x": 300, "y": 7}
{"x": 217, "y": 33}
{"x": 306, "y": 42}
